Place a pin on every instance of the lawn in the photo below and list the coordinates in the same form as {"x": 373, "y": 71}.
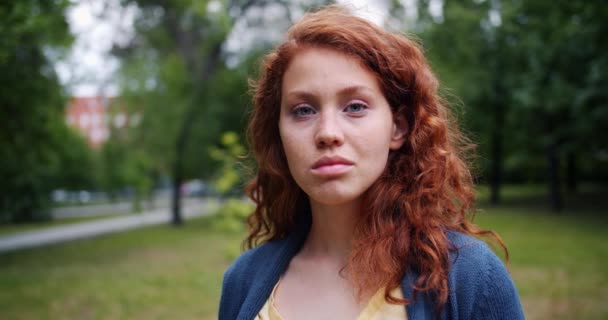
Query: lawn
{"x": 151, "y": 273}
{"x": 558, "y": 263}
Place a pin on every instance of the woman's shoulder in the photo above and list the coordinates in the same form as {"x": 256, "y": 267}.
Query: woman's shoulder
{"x": 479, "y": 280}
{"x": 471, "y": 256}
{"x": 250, "y": 278}
{"x": 251, "y": 261}
{"x": 469, "y": 248}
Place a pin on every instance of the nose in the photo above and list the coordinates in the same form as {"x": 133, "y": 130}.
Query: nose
{"x": 329, "y": 133}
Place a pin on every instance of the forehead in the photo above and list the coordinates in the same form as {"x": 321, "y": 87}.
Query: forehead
{"x": 322, "y": 69}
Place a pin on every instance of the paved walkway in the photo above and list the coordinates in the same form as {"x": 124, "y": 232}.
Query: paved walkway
{"x": 37, "y": 238}
{"x": 126, "y": 207}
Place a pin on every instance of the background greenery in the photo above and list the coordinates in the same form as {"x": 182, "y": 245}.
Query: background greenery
{"x": 527, "y": 80}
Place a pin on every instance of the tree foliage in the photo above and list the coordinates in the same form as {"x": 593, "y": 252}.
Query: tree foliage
{"x": 176, "y": 69}
{"x": 37, "y": 150}
{"x": 533, "y": 77}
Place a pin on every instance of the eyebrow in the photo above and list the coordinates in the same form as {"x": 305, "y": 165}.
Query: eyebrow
{"x": 344, "y": 91}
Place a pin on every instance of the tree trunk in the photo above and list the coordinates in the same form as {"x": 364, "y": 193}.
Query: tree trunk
{"x": 176, "y": 212}
{"x": 497, "y": 154}
{"x": 176, "y": 204}
{"x": 202, "y": 71}
{"x": 180, "y": 149}
{"x": 555, "y": 194}
{"x": 571, "y": 173}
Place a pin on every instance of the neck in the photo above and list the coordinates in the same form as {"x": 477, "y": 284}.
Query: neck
{"x": 331, "y": 232}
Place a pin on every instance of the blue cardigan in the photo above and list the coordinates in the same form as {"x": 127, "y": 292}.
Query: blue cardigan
{"x": 479, "y": 285}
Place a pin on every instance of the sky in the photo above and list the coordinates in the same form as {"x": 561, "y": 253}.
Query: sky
{"x": 89, "y": 69}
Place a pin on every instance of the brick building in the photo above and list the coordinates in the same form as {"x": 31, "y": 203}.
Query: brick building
{"x": 89, "y": 115}
{"x": 93, "y": 118}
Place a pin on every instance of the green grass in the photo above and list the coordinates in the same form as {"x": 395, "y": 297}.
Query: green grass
{"x": 152, "y": 273}
{"x": 557, "y": 261}
{"x": 8, "y": 229}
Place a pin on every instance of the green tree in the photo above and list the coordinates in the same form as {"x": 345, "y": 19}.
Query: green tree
{"x": 37, "y": 150}
{"x": 531, "y": 74}
{"x": 560, "y": 85}
{"x": 175, "y": 67}
{"x": 124, "y": 165}
{"x": 228, "y": 154}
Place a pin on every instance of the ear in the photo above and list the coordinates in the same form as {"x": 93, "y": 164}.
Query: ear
{"x": 399, "y": 132}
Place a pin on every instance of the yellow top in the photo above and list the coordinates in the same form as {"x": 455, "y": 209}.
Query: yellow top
{"x": 376, "y": 309}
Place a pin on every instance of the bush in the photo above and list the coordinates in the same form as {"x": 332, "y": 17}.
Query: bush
{"x": 232, "y": 215}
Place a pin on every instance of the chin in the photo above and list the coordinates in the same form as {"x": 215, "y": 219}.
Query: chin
{"x": 334, "y": 197}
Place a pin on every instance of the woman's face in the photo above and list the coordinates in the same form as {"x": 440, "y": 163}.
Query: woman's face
{"x": 336, "y": 126}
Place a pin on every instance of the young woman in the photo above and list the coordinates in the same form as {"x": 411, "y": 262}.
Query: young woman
{"x": 362, "y": 192}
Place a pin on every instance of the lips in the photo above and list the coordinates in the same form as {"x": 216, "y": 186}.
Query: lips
{"x": 331, "y": 166}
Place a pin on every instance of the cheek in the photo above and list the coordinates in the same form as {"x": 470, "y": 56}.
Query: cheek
{"x": 289, "y": 147}
{"x": 296, "y": 157}
{"x": 375, "y": 136}
{"x": 376, "y": 155}
{"x": 375, "y": 147}
{"x": 292, "y": 146}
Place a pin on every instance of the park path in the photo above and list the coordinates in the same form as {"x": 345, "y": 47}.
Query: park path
{"x": 46, "y": 236}
{"x": 160, "y": 200}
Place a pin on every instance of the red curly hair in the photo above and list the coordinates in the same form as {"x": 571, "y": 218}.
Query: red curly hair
{"x": 426, "y": 188}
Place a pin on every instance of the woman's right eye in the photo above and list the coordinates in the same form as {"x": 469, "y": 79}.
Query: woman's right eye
{"x": 303, "y": 111}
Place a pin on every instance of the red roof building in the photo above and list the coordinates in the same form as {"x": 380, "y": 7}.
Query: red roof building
{"x": 98, "y": 117}
{"x": 89, "y": 115}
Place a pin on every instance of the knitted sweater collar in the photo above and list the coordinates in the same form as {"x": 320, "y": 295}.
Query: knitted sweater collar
{"x": 284, "y": 250}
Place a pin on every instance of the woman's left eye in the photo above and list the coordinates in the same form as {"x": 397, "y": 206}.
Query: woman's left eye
{"x": 355, "y": 107}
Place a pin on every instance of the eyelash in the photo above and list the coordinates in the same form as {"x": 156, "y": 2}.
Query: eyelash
{"x": 298, "y": 109}
{"x": 361, "y": 104}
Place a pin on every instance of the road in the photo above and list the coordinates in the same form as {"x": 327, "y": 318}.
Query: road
{"x": 46, "y": 236}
